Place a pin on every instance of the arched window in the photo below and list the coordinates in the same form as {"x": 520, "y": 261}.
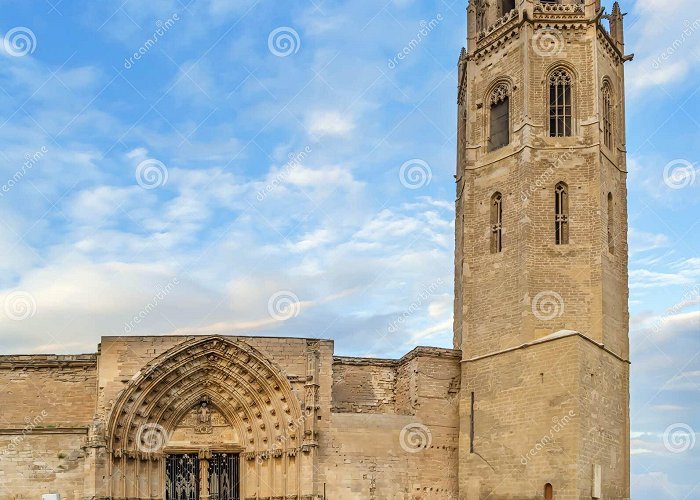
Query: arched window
{"x": 548, "y": 492}
{"x": 507, "y": 6}
{"x": 561, "y": 214}
{"x": 611, "y": 222}
{"x": 607, "y": 115}
{"x": 560, "y": 107}
{"x": 496, "y": 223}
{"x": 499, "y": 117}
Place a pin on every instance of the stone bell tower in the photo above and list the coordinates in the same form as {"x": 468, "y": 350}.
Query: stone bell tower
{"x": 541, "y": 288}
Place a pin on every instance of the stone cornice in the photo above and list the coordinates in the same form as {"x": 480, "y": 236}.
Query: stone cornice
{"x": 25, "y": 361}
{"x": 550, "y": 338}
{"x": 14, "y": 431}
{"x": 568, "y": 17}
{"x": 418, "y": 352}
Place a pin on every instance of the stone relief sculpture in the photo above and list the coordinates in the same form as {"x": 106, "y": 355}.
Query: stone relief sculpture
{"x": 204, "y": 418}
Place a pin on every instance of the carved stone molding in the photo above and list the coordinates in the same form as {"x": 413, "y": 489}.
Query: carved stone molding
{"x": 560, "y": 8}
{"x": 248, "y": 390}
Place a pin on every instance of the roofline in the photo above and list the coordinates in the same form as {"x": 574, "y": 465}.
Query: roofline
{"x": 421, "y": 351}
{"x": 125, "y": 337}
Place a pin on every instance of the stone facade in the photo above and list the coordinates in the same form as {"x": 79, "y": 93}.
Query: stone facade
{"x": 304, "y": 423}
{"x": 533, "y": 401}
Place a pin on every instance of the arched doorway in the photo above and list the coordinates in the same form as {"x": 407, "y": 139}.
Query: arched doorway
{"x": 548, "y": 492}
{"x": 209, "y": 418}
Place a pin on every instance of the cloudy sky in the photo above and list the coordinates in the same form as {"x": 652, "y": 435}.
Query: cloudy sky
{"x": 272, "y": 168}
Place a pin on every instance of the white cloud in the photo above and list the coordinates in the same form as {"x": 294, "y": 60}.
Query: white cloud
{"x": 644, "y": 278}
{"x": 640, "y": 241}
{"x": 673, "y": 408}
{"x": 670, "y": 40}
{"x": 330, "y": 123}
{"x": 654, "y": 485}
{"x": 686, "y": 381}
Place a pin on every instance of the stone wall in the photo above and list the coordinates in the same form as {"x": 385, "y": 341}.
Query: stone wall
{"x": 47, "y": 406}
{"x": 398, "y": 438}
{"x": 573, "y": 398}
{"x": 42, "y": 462}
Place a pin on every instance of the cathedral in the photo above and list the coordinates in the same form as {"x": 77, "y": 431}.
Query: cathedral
{"x": 532, "y": 402}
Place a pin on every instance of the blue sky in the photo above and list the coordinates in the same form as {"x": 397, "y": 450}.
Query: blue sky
{"x": 232, "y": 181}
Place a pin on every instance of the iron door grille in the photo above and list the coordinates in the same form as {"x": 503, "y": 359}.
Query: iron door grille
{"x": 182, "y": 477}
{"x": 224, "y": 476}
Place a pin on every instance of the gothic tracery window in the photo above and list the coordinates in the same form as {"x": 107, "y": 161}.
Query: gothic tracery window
{"x": 496, "y": 223}
{"x": 499, "y": 117}
{"x": 560, "y": 104}
{"x": 607, "y": 115}
{"x": 561, "y": 214}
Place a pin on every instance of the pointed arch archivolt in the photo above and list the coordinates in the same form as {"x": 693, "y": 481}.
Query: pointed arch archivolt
{"x": 251, "y": 392}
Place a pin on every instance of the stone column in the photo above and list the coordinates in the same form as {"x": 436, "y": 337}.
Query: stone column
{"x": 204, "y": 456}
{"x": 95, "y": 459}
{"x": 471, "y": 28}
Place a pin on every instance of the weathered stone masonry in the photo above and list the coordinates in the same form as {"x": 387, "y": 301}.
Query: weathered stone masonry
{"x": 532, "y": 403}
{"x": 292, "y": 415}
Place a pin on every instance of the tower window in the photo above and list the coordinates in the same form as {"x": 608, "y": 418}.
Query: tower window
{"x": 607, "y": 115}
{"x": 560, "y": 107}
{"x": 561, "y": 214}
{"x": 611, "y": 222}
{"x": 507, "y": 6}
{"x": 496, "y": 223}
{"x": 499, "y": 133}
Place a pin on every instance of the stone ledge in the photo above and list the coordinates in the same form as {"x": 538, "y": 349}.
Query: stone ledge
{"x": 47, "y": 361}
{"x": 562, "y": 334}
{"x": 418, "y": 352}
{"x": 12, "y": 431}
